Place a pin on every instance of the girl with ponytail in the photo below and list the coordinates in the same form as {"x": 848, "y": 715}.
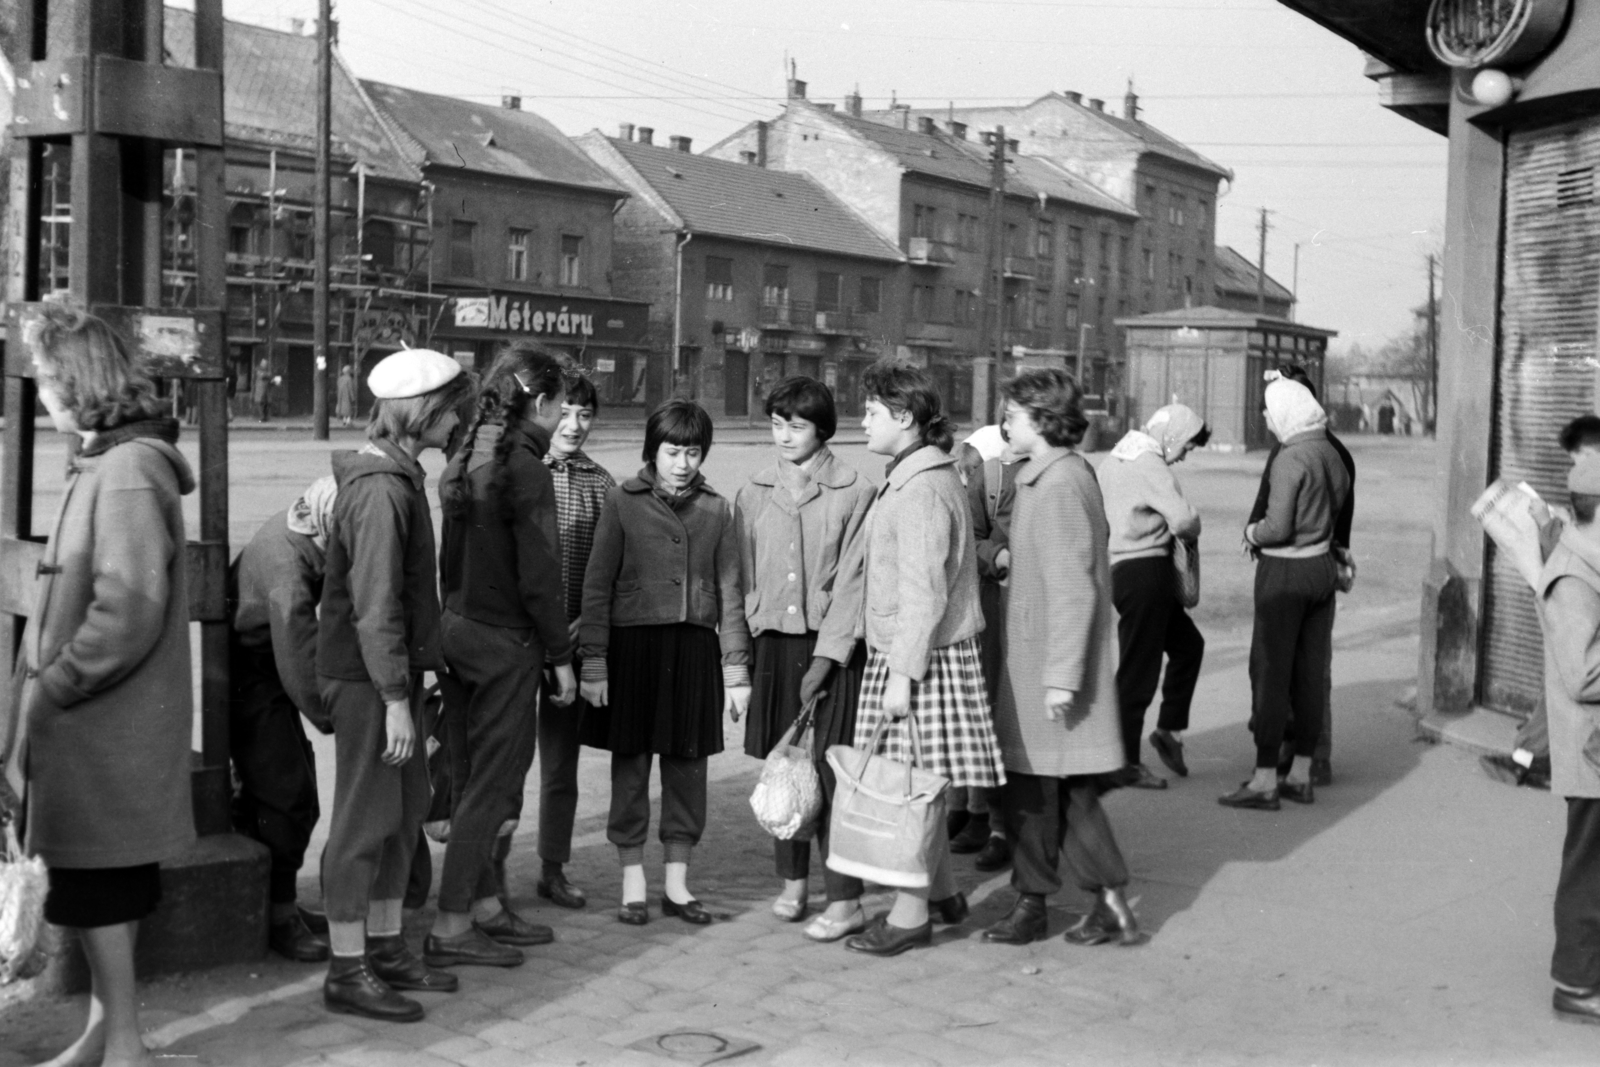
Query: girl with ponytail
{"x": 505, "y": 615}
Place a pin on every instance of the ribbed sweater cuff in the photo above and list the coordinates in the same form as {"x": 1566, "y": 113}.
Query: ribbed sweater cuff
{"x": 733, "y": 675}
{"x": 594, "y": 669}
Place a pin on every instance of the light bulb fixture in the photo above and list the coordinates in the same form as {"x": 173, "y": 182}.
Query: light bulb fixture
{"x": 1493, "y": 88}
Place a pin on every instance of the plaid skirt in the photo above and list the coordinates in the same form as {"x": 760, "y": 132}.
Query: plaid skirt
{"x": 950, "y": 709}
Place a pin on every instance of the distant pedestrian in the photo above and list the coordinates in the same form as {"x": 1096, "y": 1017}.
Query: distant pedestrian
{"x": 107, "y": 705}
{"x": 666, "y": 650}
{"x": 1147, "y": 511}
{"x": 346, "y": 394}
{"x": 1291, "y": 647}
{"x": 1057, "y": 717}
{"x": 922, "y": 620}
{"x": 801, "y": 522}
{"x": 379, "y": 630}
{"x": 261, "y": 390}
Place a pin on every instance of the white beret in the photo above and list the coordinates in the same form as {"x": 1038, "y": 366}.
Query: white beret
{"x": 411, "y": 372}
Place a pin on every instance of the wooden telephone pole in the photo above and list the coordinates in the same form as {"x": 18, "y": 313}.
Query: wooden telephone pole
{"x": 1433, "y": 346}
{"x": 1261, "y": 268}
{"x": 989, "y": 307}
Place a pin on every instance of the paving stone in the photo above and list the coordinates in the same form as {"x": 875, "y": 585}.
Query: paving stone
{"x": 815, "y": 990}
{"x": 619, "y": 988}
{"x": 495, "y": 1057}
{"x": 889, "y": 1056}
{"x": 455, "y": 1047}
{"x": 489, "y": 993}
{"x": 326, "y": 1034}
{"x": 368, "y": 1056}
{"x": 517, "y": 1035}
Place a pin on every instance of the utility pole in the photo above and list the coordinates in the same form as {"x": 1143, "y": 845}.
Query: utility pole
{"x": 1433, "y": 347}
{"x": 989, "y": 306}
{"x": 1261, "y": 268}
{"x": 319, "y": 209}
{"x": 1294, "y": 303}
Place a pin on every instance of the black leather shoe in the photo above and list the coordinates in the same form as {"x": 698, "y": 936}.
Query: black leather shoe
{"x": 1095, "y": 928}
{"x": 996, "y": 855}
{"x": 950, "y": 910}
{"x": 1170, "y": 750}
{"x": 955, "y": 822}
{"x": 1577, "y": 1007}
{"x": 560, "y": 892}
{"x": 509, "y": 928}
{"x": 352, "y": 989}
{"x": 1321, "y": 772}
{"x": 1027, "y": 922}
{"x": 973, "y": 836}
{"x": 399, "y": 967}
{"x": 315, "y": 921}
{"x": 693, "y": 912}
{"x": 293, "y": 940}
{"x": 1250, "y": 800}
{"x": 634, "y": 913}
{"x": 1305, "y": 793}
{"x": 881, "y": 939}
{"x": 471, "y": 949}
{"x": 1142, "y": 777}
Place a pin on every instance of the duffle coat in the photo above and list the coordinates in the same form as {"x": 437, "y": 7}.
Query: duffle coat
{"x": 110, "y": 708}
{"x": 1061, "y": 630}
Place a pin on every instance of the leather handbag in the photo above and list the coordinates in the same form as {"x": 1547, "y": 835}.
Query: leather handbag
{"x": 885, "y": 813}
{"x": 1186, "y": 568}
{"x": 788, "y": 798}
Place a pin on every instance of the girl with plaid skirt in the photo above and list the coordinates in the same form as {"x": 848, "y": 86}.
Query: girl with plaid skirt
{"x": 923, "y": 617}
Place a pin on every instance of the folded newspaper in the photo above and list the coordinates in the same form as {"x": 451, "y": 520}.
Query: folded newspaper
{"x": 1512, "y": 513}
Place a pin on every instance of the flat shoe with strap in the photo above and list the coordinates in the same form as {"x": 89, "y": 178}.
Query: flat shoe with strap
{"x": 825, "y": 929}
{"x": 692, "y": 912}
{"x": 881, "y": 939}
{"x": 634, "y": 913}
{"x": 1250, "y": 800}
{"x": 791, "y": 911}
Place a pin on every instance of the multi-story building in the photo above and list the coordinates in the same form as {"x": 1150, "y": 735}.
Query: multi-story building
{"x": 752, "y": 274}
{"x": 926, "y": 189}
{"x": 521, "y": 221}
{"x": 1234, "y": 286}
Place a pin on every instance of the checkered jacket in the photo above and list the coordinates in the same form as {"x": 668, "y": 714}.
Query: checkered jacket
{"x": 581, "y": 486}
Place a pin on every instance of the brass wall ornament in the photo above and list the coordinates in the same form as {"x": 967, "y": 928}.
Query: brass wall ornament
{"x": 1499, "y": 33}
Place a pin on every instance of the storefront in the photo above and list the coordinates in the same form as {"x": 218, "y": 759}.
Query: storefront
{"x": 609, "y": 338}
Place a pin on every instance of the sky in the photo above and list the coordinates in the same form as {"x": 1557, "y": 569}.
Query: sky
{"x": 1358, "y": 190}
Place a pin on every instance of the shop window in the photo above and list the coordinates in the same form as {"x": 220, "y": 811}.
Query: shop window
{"x": 719, "y": 278}
{"x": 571, "y": 260}
{"x": 871, "y": 295}
{"x": 517, "y": 242}
{"x": 829, "y": 290}
{"x": 462, "y": 263}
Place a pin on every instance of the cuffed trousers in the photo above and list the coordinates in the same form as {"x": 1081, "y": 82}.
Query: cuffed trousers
{"x": 277, "y": 804}
{"x": 1055, "y": 819}
{"x": 1291, "y": 652}
{"x": 377, "y": 809}
{"x": 794, "y": 857}
{"x": 1152, "y": 624}
{"x": 683, "y": 805}
{"x": 1577, "y": 909}
{"x": 496, "y": 727}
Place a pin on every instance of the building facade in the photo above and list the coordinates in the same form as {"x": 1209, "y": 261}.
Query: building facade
{"x": 1237, "y": 283}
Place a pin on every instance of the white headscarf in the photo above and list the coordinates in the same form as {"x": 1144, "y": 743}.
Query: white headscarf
{"x": 312, "y": 514}
{"x": 1291, "y": 409}
{"x": 1168, "y": 430}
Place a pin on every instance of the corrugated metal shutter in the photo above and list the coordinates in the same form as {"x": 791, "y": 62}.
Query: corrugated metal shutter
{"x": 1547, "y": 367}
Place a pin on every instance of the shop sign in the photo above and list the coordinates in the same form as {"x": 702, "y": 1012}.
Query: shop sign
{"x": 597, "y": 321}
{"x": 605, "y": 366}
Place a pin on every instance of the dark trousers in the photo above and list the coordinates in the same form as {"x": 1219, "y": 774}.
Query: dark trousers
{"x": 277, "y": 802}
{"x": 1291, "y": 652}
{"x": 493, "y": 731}
{"x": 1051, "y": 819}
{"x": 794, "y": 857}
{"x": 683, "y": 804}
{"x": 559, "y": 731}
{"x": 1577, "y": 957}
{"x": 377, "y": 809}
{"x": 1151, "y": 624}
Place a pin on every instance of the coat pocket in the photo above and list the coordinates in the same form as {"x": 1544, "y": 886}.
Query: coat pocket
{"x": 704, "y": 608}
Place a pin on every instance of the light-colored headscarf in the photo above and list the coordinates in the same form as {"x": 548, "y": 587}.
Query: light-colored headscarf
{"x": 1291, "y": 409}
{"x": 1168, "y": 430}
{"x": 312, "y": 514}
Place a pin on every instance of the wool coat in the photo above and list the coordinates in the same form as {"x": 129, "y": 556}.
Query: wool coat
{"x": 1569, "y": 613}
{"x": 274, "y": 587}
{"x": 1061, "y": 630}
{"x": 921, "y": 563}
{"x": 110, "y": 711}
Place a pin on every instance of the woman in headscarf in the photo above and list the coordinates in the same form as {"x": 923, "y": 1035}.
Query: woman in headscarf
{"x": 1296, "y": 579}
{"x": 1146, "y": 509}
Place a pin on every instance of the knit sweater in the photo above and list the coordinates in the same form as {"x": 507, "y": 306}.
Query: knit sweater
{"x": 1309, "y": 484}
{"x": 1144, "y": 507}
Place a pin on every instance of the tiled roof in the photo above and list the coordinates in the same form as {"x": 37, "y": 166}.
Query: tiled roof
{"x": 270, "y": 96}
{"x": 488, "y": 139}
{"x": 1236, "y": 274}
{"x": 932, "y": 154}
{"x": 1209, "y": 317}
{"x": 750, "y": 203}
{"x": 1054, "y": 181}
{"x": 1160, "y": 144}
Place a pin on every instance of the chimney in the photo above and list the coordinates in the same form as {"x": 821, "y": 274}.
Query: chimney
{"x": 1013, "y": 146}
{"x": 747, "y": 157}
{"x": 958, "y": 130}
{"x": 761, "y": 143}
{"x": 1076, "y": 98}
{"x": 1130, "y": 103}
{"x": 647, "y": 135}
{"x": 511, "y": 102}
{"x": 905, "y": 115}
{"x": 797, "y": 89}
{"x": 1098, "y": 105}
{"x": 297, "y": 27}
{"x": 625, "y": 131}
{"x": 925, "y": 124}
{"x": 852, "y": 103}
{"x": 679, "y": 144}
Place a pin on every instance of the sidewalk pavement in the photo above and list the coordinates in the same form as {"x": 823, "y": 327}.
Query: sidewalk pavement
{"x": 1404, "y": 918}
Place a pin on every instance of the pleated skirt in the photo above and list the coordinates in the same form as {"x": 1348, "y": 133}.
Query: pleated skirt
{"x": 665, "y": 693}
{"x": 780, "y": 662}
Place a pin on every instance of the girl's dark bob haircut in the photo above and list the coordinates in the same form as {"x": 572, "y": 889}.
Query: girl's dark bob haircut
{"x": 804, "y": 398}
{"x": 1053, "y": 400}
{"x": 903, "y": 387}
{"x": 580, "y": 390}
{"x": 677, "y": 422}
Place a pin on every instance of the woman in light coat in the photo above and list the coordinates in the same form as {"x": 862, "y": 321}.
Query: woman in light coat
{"x": 1057, "y": 715}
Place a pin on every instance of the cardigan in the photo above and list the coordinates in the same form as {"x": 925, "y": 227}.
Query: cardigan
{"x": 801, "y": 561}
{"x": 1308, "y": 486}
{"x": 921, "y": 563}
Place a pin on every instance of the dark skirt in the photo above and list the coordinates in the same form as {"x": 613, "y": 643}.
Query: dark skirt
{"x": 775, "y": 695}
{"x": 665, "y": 693}
{"x": 89, "y": 897}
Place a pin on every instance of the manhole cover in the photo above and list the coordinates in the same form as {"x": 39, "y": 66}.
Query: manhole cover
{"x": 694, "y": 1046}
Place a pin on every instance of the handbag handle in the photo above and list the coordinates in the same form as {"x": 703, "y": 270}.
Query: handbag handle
{"x": 916, "y": 744}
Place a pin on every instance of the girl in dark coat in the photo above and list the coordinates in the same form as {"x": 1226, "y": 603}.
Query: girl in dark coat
{"x": 107, "y": 706}
{"x": 665, "y": 649}
{"x": 504, "y": 612}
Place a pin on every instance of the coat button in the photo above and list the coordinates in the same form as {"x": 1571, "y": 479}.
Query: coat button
{"x": 792, "y": 609}
{"x": 677, "y": 581}
{"x": 791, "y": 576}
{"x": 675, "y": 540}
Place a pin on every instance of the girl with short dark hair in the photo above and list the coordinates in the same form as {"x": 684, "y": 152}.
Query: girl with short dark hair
{"x": 665, "y": 650}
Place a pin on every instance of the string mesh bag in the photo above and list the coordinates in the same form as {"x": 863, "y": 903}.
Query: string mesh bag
{"x": 788, "y": 798}
{"x": 23, "y": 885}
